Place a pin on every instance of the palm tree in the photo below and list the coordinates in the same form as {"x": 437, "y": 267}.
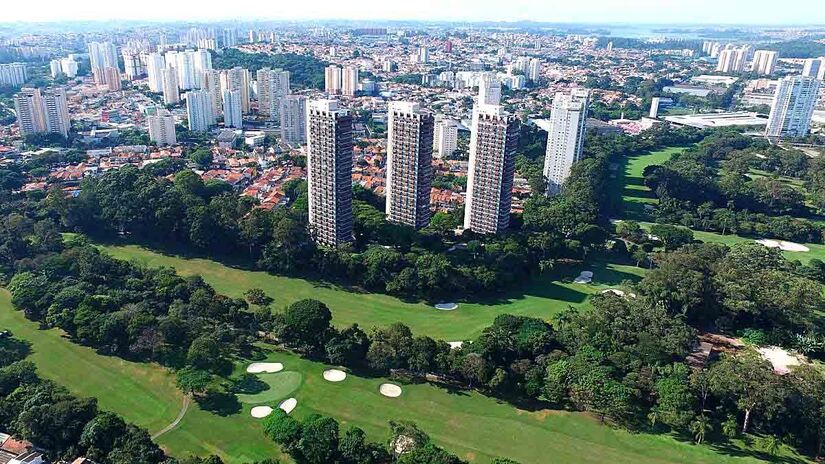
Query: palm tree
{"x": 699, "y": 428}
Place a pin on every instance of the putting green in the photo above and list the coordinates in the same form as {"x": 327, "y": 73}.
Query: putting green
{"x": 280, "y": 385}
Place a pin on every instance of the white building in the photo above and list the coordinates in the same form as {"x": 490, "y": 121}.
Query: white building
{"x": 102, "y": 55}
{"x": 199, "y": 110}
{"x": 211, "y": 80}
{"x": 732, "y": 60}
{"x": 793, "y": 106}
{"x": 333, "y": 80}
{"x": 493, "y": 145}
{"x": 489, "y": 90}
{"x": 329, "y": 172}
{"x": 349, "y": 81}
{"x": 764, "y": 62}
{"x": 54, "y": 69}
{"x": 202, "y": 60}
{"x": 294, "y": 119}
{"x": 273, "y": 85}
{"x": 45, "y": 112}
{"x": 565, "y": 137}
{"x": 409, "y": 164}
{"x": 232, "y": 109}
{"x": 68, "y": 66}
{"x": 185, "y": 65}
{"x": 155, "y": 64}
{"x": 162, "y": 128}
{"x": 814, "y": 67}
{"x": 445, "y": 140}
{"x": 133, "y": 67}
{"x": 237, "y": 79}
{"x": 13, "y": 74}
{"x": 171, "y": 93}
{"x": 423, "y": 55}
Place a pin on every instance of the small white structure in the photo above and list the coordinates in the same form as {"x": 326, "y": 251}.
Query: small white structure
{"x": 585, "y": 277}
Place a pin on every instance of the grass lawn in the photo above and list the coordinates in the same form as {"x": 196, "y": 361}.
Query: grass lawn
{"x": 472, "y": 425}
{"x": 542, "y": 297}
{"x": 629, "y": 181}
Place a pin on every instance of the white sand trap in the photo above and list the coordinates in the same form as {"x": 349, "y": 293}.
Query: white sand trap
{"x": 584, "y": 278}
{"x": 259, "y": 412}
{"x": 618, "y": 292}
{"x": 390, "y": 390}
{"x": 783, "y": 245}
{"x": 264, "y": 368}
{"x": 334, "y": 375}
{"x": 288, "y": 405}
{"x": 446, "y": 306}
{"x": 780, "y": 359}
{"x": 455, "y": 345}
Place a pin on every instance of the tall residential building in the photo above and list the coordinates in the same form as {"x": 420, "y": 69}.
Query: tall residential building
{"x": 423, "y": 55}
{"x": 229, "y": 38}
{"x": 202, "y": 60}
{"x": 409, "y": 164}
{"x": 133, "y": 67}
{"x": 155, "y": 64}
{"x": 732, "y": 60}
{"x": 171, "y": 93}
{"x": 273, "y": 85}
{"x": 332, "y": 80}
{"x": 69, "y": 67}
{"x": 54, "y": 69}
{"x": 13, "y": 74}
{"x": 162, "y": 128}
{"x": 493, "y": 145}
{"x": 565, "y": 137}
{"x": 294, "y": 119}
{"x": 237, "y": 79}
{"x": 185, "y": 64}
{"x": 764, "y": 62}
{"x": 211, "y": 80}
{"x": 530, "y": 67}
{"x": 445, "y": 140}
{"x": 232, "y": 109}
{"x": 102, "y": 55}
{"x": 489, "y": 90}
{"x": 111, "y": 77}
{"x": 329, "y": 172}
{"x": 793, "y": 106}
{"x": 199, "y": 110}
{"x": 814, "y": 67}
{"x": 42, "y": 112}
{"x": 349, "y": 81}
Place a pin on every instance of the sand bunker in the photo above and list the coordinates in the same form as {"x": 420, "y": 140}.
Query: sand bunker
{"x": 259, "y": 412}
{"x": 446, "y": 306}
{"x": 780, "y": 359}
{"x": 264, "y": 368}
{"x": 334, "y": 375}
{"x": 618, "y": 292}
{"x": 783, "y": 245}
{"x": 390, "y": 390}
{"x": 288, "y": 405}
{"x": 455, "y": 345}
{"x": 584, "y": 278}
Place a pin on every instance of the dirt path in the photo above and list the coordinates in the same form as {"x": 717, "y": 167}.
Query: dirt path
{"x": 187, "y": 399}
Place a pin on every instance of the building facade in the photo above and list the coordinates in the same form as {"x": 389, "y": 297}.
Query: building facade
{"x": 349, "y": 81}
{"x": 332, "y": 80}
{"x": 294, "y": 119}
{"x": 46, "y": 112}
{"x": 232, "y": 109}
{"x": 445, "y": 140}
{"x": 409, "y": 164}
{"x": 162, "y": 128}
{"x": 793, "y": 107}
{"x": 493, "y": 144}
{"x": 273, "y": 85}
{"x": 565, "y": 137}
{"x": 13, "y": 74}
{"x": 329, "y": 172}
{"x": 764, "y": 62}
{"x": 199, "y": 110}
{"x": 171, "y": 93}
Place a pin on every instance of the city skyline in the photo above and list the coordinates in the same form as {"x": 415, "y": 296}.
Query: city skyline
{"x": 593, "y": 12}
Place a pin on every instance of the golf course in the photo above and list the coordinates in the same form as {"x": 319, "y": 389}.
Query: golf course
{"x": 475, "y": 427}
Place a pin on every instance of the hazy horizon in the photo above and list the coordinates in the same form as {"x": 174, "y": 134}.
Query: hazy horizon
{"x": 595, "y": 12}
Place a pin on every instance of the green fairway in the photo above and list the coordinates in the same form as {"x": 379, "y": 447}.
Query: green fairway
{"x": 467, "y": 423}
{"x": 629, "y": 181}
{"x": 542, "y": 297}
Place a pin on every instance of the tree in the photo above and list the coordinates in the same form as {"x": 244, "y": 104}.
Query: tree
{"x": 673, "y": 237}
{"x": 674, "y": 398}
{"x": 700, "y": 427}
{"x": 319, "y": 440}
{"x": 204, "y": 353}
{"x": 202, "y": 157}
{"x": 306, "y": 323}
{"x": 257, "y": 297}
{"x": 284, "y": 430}
{"x": 748, "y": 381}
{"x": 193, "y": 381}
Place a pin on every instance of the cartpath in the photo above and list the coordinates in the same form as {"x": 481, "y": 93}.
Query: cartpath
{"x": 185, "y": 407}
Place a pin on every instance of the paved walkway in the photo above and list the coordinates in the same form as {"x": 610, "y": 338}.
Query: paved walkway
{"x": 187, "y": 399}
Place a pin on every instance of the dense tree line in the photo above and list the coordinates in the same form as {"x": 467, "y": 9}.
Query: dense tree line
{"x": 304, "y": 70}
{"x": 711, "y": 187}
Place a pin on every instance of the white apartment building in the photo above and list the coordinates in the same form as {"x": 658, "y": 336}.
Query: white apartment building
{"x": 489, "y": 90}
{"x": 793, "y": 106}
{"x": 237, "y": 79}
{"x": 155, "y": 64}
{"x": 349, "y": 81}
{"x": 273, "y": 85}
{"x": 232, "y": 109}
{"x": 171, "y": 93}
{"x": 45, "y": 112}
{"x": 333, "y": 80}
{"x": 199, "y": 110}
{"x": 13, "y": 74}
{"x": 445, "y": 141}
{"x": 294, "y": 119}
{"x": 814, "y": 67}
{"x": 162, "y": 128}
{"x": 764, "y": 62}
{"x": 565, "y": 137}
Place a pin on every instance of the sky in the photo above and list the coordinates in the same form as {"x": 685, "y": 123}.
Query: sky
{"x": 564, "y": 11}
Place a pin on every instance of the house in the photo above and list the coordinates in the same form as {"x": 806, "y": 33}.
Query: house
{"x": 13, "y": 451}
